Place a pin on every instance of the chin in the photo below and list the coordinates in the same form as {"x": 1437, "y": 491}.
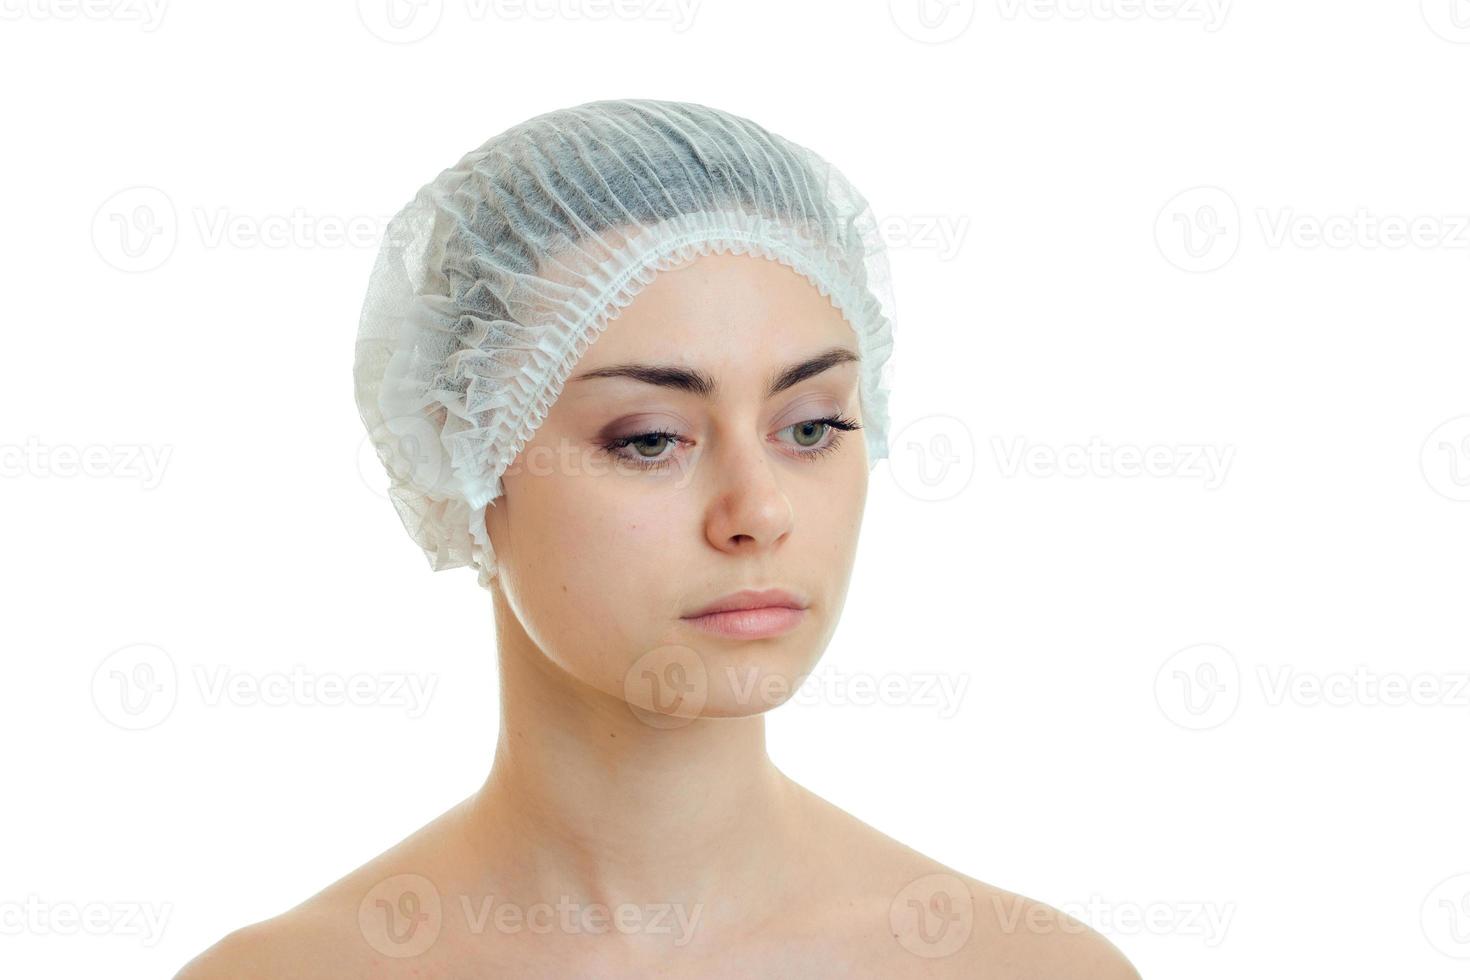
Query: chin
{"x": 697, "y": 678}
{"x": 747, "y": 680}
{"x": 696, "y": 675}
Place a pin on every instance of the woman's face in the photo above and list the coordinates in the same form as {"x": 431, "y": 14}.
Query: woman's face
{"x": 642, "y": 499}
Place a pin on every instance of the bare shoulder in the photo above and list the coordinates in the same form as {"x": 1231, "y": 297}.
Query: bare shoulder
{"x": 297, "y": 945}
{"x": 934, "y": 921}
{"x": 327, "y": 935}
{"x": 1022, "y": 937}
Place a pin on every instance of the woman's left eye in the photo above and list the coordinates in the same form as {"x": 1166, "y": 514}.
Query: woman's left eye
{"x": 809, "y": 434}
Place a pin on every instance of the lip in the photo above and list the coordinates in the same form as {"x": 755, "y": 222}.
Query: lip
{"x": 751, "y": 614}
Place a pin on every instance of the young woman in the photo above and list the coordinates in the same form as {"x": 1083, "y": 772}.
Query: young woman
{"x": 630, "y": 360}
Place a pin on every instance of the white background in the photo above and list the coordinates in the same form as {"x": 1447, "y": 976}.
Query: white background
{"x": 1230, "y": 229}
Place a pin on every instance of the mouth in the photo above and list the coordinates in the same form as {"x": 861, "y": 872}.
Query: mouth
{"x": 751, "y": 614}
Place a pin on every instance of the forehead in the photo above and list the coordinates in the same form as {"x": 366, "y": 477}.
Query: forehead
{"x": 722, "y": 309}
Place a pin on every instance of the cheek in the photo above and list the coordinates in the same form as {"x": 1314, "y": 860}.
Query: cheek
{"x": 597, "y": 574}
{"x": 608, "y": 534}
{"x": 830, "y": 510}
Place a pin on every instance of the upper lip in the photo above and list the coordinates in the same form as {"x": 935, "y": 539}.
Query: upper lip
{"x": 752, "y": 599}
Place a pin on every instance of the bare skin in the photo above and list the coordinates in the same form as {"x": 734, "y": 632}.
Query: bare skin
{"x": 614, "y": 836}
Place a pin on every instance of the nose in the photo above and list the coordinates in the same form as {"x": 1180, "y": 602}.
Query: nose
{"x": 749, "y": 510}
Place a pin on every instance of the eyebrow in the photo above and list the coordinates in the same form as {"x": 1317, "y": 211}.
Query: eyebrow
{"x": 699, "y": 383}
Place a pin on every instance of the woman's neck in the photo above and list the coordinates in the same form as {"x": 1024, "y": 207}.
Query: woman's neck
{"x": 587, "y": 801}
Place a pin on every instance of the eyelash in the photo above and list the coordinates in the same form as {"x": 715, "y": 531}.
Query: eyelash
{"x": 835, "y": 423}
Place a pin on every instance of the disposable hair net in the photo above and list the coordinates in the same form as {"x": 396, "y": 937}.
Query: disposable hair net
{"x": 501, "y": 272}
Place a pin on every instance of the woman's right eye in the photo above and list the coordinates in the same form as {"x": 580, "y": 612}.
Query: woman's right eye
{"x": 643, "y": 449}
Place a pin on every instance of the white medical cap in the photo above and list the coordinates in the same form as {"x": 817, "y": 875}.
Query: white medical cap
{"x": 497, "y": 277}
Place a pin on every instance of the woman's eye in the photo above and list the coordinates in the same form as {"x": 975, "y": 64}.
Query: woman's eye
{"x": 644, "y": 449}
{"x": 650, "y": 446}
{"x": 809, "y": 433}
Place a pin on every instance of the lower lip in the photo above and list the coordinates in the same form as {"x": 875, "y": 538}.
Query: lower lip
{"x": 750, "y": 624}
